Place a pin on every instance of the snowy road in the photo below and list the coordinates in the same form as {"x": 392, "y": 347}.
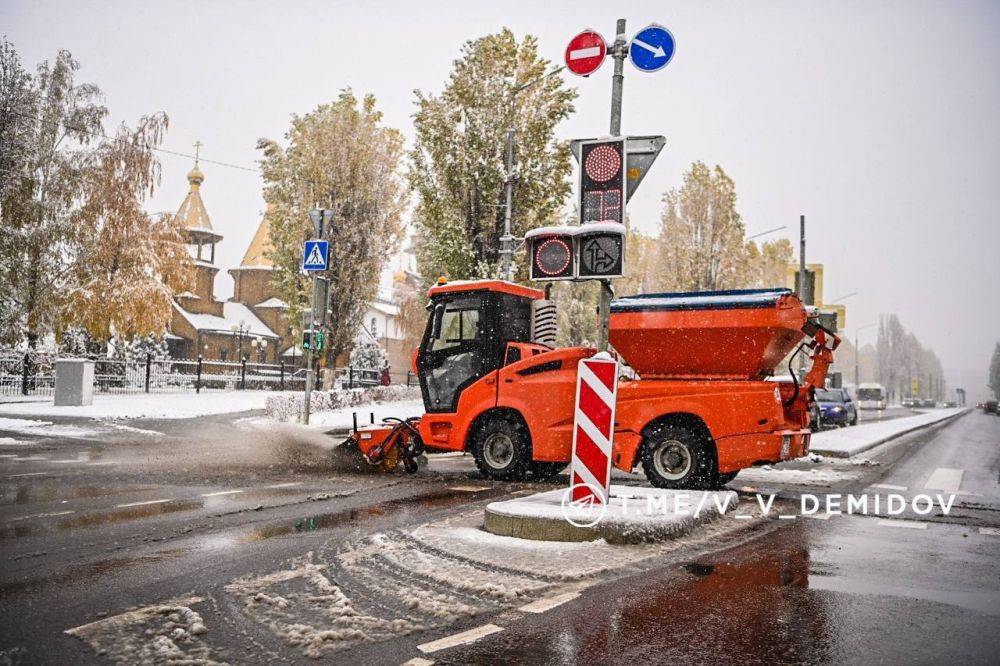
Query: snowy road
{"x": 214, "y": 539}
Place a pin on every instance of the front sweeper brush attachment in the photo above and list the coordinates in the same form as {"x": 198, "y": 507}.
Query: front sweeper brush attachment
{"x": 387, "y": 444}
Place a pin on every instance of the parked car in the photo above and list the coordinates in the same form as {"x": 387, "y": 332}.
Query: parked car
{"x": 833, "y": 407}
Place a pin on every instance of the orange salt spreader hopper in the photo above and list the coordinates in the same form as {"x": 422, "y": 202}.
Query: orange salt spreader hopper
{"x": 699, "y": 404}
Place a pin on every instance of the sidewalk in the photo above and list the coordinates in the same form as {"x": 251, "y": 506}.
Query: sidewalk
{"x": 847, "y": 442}
{"x": 149, "y": 405}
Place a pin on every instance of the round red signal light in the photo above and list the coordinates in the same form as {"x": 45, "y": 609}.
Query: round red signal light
{"x": 553, "y": 256}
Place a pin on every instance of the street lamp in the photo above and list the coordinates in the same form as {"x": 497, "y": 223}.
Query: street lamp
{"x": 857, "y": 350}
{"x": 769, "y": 231}
{"x": 240, "y": 331}
{"x": 507, "y": 240}
{"x": 259, "y": 344}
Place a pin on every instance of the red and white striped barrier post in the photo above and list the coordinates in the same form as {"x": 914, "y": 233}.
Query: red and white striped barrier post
{"x": 593, "y": 428}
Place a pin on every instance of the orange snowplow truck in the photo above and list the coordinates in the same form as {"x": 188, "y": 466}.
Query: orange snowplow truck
{"x": 703, "y": 406}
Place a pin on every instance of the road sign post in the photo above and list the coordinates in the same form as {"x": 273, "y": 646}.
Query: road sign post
{"x": 315, "y": 258}
{"x": 593, "y": 428}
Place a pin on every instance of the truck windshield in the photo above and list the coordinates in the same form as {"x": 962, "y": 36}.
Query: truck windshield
{"x": 452, "y": 355}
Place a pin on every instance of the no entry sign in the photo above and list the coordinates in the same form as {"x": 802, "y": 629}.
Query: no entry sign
{"x": 585, "y": 53}
{"x": 593, "y": 428}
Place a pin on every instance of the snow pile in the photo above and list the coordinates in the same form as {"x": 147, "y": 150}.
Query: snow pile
{"x": 798, "y": 477}
{"x": 167, "y": 633}
{"x": 153, "y": 405}
{"x": 632, "y": 513}
{"x": 287, "y": 407}
{"x": 845, "y": 442}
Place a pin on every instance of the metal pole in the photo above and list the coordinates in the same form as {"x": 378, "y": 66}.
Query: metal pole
{"x": 801, "y": 286}
{"x": 857, "y": 353}
{"x": 149, "y": 364}
{"x": 506, "y": 244}
{"x": 309, "y": 357}
{"x": 618, "y": 51}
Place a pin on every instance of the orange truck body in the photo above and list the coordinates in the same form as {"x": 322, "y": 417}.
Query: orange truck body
{"x": 707, "y": 366}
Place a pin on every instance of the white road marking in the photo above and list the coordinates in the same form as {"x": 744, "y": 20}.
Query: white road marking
{"x": 912, "y": 524}
{"x": 946, "y": 479}
{"x": 418, "y": 661}
{"x": 64, "y": 462}
{"x": 787, "y": 516}
{"x": 888, "y": 486}
{"x": 221, "y": 492}
{"x": 125, "y": 506}
{"x": 14, "y": 476}
{"x": 742, "y": 517}
{"x": 468, "y": 489}
{"x": 284, "y": 485}
{"x": 990, "y": 531}
{"x": 8, "y": 455}
{"x": 103, "y": 462}
{"x": 43, "y": 515}
{"x": 549, "y": 603}
{"x": 463, "y": 638}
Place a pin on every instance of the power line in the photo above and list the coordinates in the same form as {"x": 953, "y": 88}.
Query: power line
{"x": 158, "y": 149}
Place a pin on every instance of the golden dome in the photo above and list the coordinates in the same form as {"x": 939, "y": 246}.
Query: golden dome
{"x": 195, "y": 176}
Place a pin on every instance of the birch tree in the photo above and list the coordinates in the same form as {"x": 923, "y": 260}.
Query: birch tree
{"x": 341, "y": 156}
{"x": 126, "y": 264}
{"x": 62, "y": 118}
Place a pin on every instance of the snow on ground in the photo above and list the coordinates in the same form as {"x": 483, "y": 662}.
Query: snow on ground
{"x": 150, "y": 405}
{"x": 342, "y": 418}
{"x": 798, "y": 477}
{"x": 43, "y": 429}
{"x": 631, "y": 511}
{"x": 845, "y": 442}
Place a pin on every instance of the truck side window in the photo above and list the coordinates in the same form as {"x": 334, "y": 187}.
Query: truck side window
{"x": 457, "y": 326}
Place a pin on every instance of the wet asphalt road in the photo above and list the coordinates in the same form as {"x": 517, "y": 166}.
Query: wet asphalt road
{"x": 94, "y": 527}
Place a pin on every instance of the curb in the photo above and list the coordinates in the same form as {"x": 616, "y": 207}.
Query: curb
{"x": 559, "y": 529}
{"x": 884, "y": 440}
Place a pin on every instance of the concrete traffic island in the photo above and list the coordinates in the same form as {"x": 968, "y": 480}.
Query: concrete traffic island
{"x": 634, "y": 514}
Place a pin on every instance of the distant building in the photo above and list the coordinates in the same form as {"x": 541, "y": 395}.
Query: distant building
{"x": 254, "y": 322}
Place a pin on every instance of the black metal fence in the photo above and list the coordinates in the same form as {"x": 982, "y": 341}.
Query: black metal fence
{"x": 33, "y": 373}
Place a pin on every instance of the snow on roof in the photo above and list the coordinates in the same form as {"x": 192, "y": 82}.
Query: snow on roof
{"x": 272, "y": 303}
{"x": 233, "y": 314}
{"x": 292, "y": 351}
{"x": 385, "y": 308}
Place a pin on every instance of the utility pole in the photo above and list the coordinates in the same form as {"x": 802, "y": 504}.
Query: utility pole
{"x": 309, "y": 354}
{"x": 507, "y": 241}
{"x": 801, "y": 286}
{"x": 618, "y": 51}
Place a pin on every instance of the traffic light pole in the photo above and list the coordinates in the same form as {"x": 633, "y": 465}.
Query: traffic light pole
{"x": 309, "y": 354}
{"x": 618, "y": 51}
{"x": 507, "y": 241}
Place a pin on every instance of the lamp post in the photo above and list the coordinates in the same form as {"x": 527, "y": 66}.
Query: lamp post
{"x": 507, "y": 240}
{"x": 857, "y": 352}
{"x": 239, "y": 331}
{"x": 260, "y": 345}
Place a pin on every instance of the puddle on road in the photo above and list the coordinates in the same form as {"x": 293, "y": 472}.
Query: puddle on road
{"x": 25, "y": 494}
{"x": 403, "y": 505}
{"x": 90, "y": 571}
{"x": 118, "y": 515}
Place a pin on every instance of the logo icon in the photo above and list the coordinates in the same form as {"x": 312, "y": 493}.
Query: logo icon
{"x": 585, "y": 512}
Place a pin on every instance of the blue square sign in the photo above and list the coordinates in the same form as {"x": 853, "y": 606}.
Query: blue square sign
{"x": 316, "y": 255}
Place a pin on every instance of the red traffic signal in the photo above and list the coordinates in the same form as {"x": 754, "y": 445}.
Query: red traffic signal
{"x": 602, "y": 181}
{"x": 552, "y": 253}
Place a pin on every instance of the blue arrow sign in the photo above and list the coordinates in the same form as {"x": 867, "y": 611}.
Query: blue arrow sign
{"x": 651, "y": 48}
{"x": 316, "y": 255}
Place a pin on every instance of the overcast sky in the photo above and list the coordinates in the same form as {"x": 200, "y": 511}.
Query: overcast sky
{"x": 877, "y": 120}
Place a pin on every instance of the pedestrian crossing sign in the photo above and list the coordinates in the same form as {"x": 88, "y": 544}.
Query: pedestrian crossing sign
{"x": 316, "y": 255}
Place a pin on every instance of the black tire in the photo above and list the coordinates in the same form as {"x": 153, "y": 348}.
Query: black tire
{"x": 679, "y": 457}
{"x": 726, "y": 477}
{"x": 545, "y": 470}
{"x": 501, "y": 447}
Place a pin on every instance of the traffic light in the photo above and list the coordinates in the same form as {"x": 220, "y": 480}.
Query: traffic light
{"x": 313, "y": 339}
{"x": 602, "y": 181}
{"x": 306, "y": 339}
{"x": 551, "y": 252}
{"x": 600, "y": 250}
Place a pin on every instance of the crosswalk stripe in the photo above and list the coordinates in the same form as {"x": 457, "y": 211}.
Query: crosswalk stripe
{"x": 945, "y": 478}
{"x": 911, "y": 524}
{"x": 463, "y": 638}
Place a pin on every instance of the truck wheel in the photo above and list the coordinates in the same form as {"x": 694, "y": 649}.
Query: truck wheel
{"x": 502, "y": 449}
{"x": 679, "y": 457}
{"x": 545, "y": 470}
